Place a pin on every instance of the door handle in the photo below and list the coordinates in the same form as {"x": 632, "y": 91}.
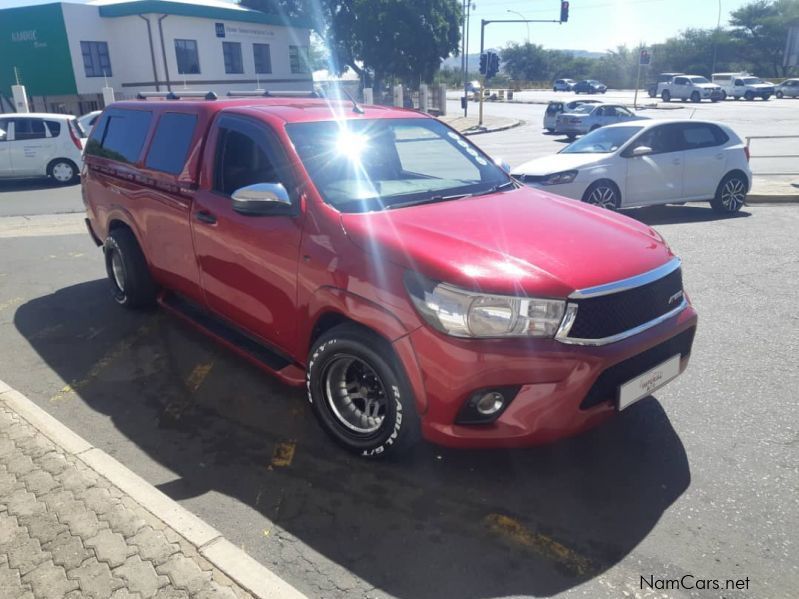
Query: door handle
{"x": 205, "y": 217}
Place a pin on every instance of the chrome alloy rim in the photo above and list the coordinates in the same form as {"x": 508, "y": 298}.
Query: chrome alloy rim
{"x": 733, "y": 194}
{"x": 355, "y": 394}
{"x": 604, "y": 197}
{"x": 118, "y": 270}
{"x": 63, "y": 172}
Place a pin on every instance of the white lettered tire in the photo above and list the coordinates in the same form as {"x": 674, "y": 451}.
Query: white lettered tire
{"x": 360, "y": 394}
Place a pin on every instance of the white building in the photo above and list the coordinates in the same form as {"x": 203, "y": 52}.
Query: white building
{"x": 65, "y": 53}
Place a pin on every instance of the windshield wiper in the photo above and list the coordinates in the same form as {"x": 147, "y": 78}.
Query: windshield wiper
{"x": 430, "y": 200}
{"x": 500, "y": 187}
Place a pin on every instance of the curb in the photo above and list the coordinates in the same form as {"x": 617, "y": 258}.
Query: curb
{"x": 248, "y": 573}
{"x": 764, "y": 198}
{"x": 517, "y": 123}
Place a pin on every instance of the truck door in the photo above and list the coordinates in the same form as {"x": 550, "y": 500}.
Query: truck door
{"x": 248, "y": 263}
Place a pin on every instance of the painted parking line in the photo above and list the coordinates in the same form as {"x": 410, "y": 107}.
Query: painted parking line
{"x": 514, "y": 531}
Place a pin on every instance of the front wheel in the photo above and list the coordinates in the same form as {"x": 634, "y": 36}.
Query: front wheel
{"x": 723, "y": 95}
{"x": 666, "y": 96}
{"x": 765, "y": 97}
{"x": 571, "y": 136}
{"x": 779, "y": 95}
{"x": 359, "y": 393}
{"x": 63, "y": 171}
{"x": 695, "y": 97}
{"x": 730, "y": 194}
{"x": 604, "y": 194}
{"x": 749, "y": 96}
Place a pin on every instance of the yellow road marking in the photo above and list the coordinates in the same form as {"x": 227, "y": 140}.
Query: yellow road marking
{"x": 118, "y": 350}
{"x": 283, "y": 454}
{"x": 12, "y": 302}
{"x": 515, "y": 531}
{"x": 198, "y": 375}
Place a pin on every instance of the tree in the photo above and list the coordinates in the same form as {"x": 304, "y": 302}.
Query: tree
{"x": 762, "y": 27}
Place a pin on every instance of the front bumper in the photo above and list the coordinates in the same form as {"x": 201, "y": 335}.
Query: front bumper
{"x": 555, "y": 380}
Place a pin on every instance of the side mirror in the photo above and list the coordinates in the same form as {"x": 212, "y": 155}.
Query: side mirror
{"x": 261, "y": 199}
{"x": 641, "y": 151}
{"x": 503, "y": 164}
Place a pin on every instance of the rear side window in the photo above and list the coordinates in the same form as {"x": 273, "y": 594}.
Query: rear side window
{"x": 54, "y": 127}
{"x": 171, "y": 142}
{"x": 29, "y": 129}
{"x": 554, "y": 108}
{"x": 701, "y": 135}
{"x": 120, "y": 134}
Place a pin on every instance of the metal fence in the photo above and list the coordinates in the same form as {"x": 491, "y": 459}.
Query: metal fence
{"x": 794, "y": 164}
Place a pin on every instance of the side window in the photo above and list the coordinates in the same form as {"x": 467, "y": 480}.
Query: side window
{"x": 25, "y": 129}
{"x": 661, "y": 139}
{"x": 120, "y": 134}
{"x": 187, "y": 57}
{"x": 680, "y": 81}
{"x": 245, "y": 157}
{"x": 54, "y": 127}
{"x": 623, "y": 112}
{"x": 170, "y": 145}
{"x": 699, "y": 135}
{"x": 739, "y": 82}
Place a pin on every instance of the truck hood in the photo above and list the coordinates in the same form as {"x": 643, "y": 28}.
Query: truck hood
{"x": 706, "y": 86}
{"x": 521, "y": 241}
{"x": 558, "y": 163}
{"x": 763, "y": 86}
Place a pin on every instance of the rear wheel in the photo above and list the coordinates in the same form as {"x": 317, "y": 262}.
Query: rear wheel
{"x": 131, "y": 283}
{"x": 604, "y": 194}
{"x": 666, "y": 96}
{"x": 723, "y": 95}
{"x": 359, "y": 393}
{"x": 765, "y": 97}
{"x": 749, "y": 96}
{"x": 695, "y": 97}
{"x": 63, "y": 171}
{"x": 780, "y": 94}
{"x": 731, "y": 194}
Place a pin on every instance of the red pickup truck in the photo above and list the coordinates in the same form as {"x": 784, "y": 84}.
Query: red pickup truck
{"x": 384, "y": 261}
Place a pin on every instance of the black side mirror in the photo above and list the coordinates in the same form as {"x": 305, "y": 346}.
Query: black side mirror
{"x": 262, "y": 199}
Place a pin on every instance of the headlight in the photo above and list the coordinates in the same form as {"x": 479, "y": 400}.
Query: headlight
{"x": 558, "y": 178}
{"x": 463, "y": 313}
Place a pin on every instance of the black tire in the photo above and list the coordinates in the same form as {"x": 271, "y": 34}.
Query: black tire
{"x": 723, "y": 95}
{"x": 132, "y": 286}
{"x": 550, "y": 130}
{"x": 749, "y": 96}
{"x": 730, "y": 194}
{"x": 780, "y": 95}
{"x": 595, "y": 127}
{"x": 765, "y": 97}
{"x": 737, "y": 98}
{"x": 571, "y": 136}
{"x": 399, "y": 428}
{"x": 652, "y": 93}
{"x": 666, "y": 96}
{"x": 63, "y": 171}
{"x": 604, "y": 194}
{"x": 695, "y": 97}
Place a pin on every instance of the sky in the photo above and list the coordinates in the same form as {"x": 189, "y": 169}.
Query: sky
{"x": 595, "y": 25}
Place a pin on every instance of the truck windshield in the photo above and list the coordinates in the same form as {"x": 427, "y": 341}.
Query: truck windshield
{"x": 601, "y": 141}
{"x": 698, "y": 80}
{"x": 368, "y": 165}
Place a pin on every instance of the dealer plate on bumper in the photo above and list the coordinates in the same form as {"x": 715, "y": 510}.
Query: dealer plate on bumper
{"x": 647, "y": 383}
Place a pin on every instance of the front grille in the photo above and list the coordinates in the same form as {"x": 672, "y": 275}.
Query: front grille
{"x": 609, "y": 315}
{"x": 607, "y": 384}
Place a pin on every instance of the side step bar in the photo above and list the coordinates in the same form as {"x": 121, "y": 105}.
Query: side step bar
{"x": 234, "y": 338}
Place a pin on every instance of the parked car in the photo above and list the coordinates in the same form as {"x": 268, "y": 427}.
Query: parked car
{"x": 589, "y": 86}
{"x": 88, "y": 120}
{"x": 654, "y": 88}
{"x": 354, "y": 251}
{"x": 555, "y": 108}
{"x": 742, "y": 85}
{"x": 690, "y": 87}
{"x": 563, "y": 85}
{"x": 646, "y": 163}
{"x": 587, "y": 117}
{"x": 40, "y": 145}
{"x": 788, "y": 88}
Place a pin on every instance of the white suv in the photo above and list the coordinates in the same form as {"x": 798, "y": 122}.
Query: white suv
{"x": 742, "y": 85}
{"x": 690, "y": 87}
{"x": 40, "y": 145}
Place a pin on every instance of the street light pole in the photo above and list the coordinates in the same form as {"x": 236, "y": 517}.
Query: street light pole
{"x": 716, "y": 40}
{"x": 464, "y": 59}
{"x": 516, "y": 12}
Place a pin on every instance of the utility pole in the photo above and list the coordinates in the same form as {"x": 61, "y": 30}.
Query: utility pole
{"x": 463, "y": 59}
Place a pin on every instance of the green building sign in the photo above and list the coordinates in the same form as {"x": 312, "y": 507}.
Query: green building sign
{"x": 34, "y": 40}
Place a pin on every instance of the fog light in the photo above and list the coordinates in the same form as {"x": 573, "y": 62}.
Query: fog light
{"x": 489, "y": 403}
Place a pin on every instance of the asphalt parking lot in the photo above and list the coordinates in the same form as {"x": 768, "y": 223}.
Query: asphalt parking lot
{"x": 700, "y": 479}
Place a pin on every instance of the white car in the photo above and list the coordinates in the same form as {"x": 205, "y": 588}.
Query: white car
{"x": 742, "y": 85}
{"x": 555, "y": 108}
{"x": 587, "y": 117}
{"x": 88, "y": 120}
{"x": 690, "y": 87}
{"x": 40, "y": 145}
{"x": 648, "y": 162}
{"x": 563, "y": 85}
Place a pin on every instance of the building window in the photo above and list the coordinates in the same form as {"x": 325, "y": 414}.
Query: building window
{"x": 232, "y": 54}
{"x": 298, "y": 57}
{"x": 263, "y": 58}
{"x": 96, "y": 62}
{"x": 187, "y": 57}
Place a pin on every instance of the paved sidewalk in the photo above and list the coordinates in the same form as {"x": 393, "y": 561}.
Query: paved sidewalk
{"x": 774, "y": 189}
{"x": 68, "y": 533}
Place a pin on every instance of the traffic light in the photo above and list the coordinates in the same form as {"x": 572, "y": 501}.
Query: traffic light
{"x": 483, "y": 63}
{"x": 492, "y": 66}
{"x": 645, "y": 58}
{"x": 564, "y": 11}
